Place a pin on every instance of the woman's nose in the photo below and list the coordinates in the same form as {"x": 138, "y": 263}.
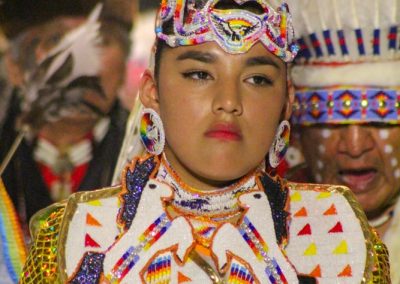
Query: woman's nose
{"x": 228, "y": 98}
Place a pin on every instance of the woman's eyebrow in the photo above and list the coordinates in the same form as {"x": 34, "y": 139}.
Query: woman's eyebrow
{"x": 201, "y": 56}
{"x": 262, "y": 60}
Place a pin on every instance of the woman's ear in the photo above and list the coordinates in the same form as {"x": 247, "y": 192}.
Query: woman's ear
{"x": 148, "y": 92}
{"x": 290, "y": 100}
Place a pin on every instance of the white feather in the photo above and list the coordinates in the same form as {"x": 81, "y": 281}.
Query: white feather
{"x": 82, "y": 44}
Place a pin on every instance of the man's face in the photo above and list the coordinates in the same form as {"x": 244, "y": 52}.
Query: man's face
{"x": 366, "y": 158}
{"x": 42, "y": 39}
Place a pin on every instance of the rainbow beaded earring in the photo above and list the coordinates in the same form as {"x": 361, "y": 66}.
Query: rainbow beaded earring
{"x": 280, "y": 145}
{"x": 152, "y": 132}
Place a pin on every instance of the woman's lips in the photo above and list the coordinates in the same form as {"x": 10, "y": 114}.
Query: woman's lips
{"x": 358, "y": 180}
{"x": 222, "y": 131}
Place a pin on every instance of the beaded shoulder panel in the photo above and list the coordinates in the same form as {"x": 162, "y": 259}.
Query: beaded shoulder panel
{"x": 49, "y": 229}
{"x": 338, "y": 205}
{"x": 41, "y": 265}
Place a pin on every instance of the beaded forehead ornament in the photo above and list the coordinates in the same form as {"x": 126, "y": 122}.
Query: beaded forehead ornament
{"x": 235, "y": 30}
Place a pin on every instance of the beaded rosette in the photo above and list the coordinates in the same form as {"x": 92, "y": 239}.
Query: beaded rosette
{"x": 235, "y": 30}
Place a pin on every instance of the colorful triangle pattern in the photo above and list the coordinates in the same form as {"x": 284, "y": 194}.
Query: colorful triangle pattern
{"x": 296, "y": 197}
{"x": 341, "y": 248}
{"x": 331, "y": 211}
{"x": 182, "y": 278}
{"x": 316, "y": 271}
{"x": 95, "y": 203}
{"x": 301, "y": 213}
{"x": 90, "y": 242}
{"x": 324, "y": 195}
{"x": 311, "y": 250}
{"x": 346, "y": 272}
{"x": 338, "y": 228}
{"x": 305, "y": 231}
{"x": 91, "y": 221}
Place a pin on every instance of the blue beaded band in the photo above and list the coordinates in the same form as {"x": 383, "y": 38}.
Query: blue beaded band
{"x": 346, "y": 105}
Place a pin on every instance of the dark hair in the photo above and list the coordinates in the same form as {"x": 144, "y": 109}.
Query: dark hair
{"x": 167, "y": 27}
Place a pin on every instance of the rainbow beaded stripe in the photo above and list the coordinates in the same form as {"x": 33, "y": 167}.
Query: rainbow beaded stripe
{"x": 128, "y": 260}
{"x": 235, "y": 30}
{"x": 240, "y": 275}
{"x": 260, "y": 250}
{"x": 346, "y": 105}
{"x": 159, "y": 271}
{"x": 11, "y": 236}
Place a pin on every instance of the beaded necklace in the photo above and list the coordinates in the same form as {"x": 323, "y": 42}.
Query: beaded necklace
{"x": 192, "y": 201}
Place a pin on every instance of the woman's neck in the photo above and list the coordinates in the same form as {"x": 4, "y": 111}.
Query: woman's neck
{"x": 191, "y": 179}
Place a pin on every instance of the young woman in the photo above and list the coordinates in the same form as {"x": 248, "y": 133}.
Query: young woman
{"x": 200, "y": 208}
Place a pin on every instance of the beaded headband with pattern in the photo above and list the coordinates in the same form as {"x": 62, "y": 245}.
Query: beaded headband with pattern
{"x": 346, "y": 105}
{"x": 235, "y": 30}
{"x": 348, "y": 67}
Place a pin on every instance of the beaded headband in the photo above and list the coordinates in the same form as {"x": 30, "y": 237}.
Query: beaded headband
{"x": 346, "y": 105}
{"x": 235, "y": 30}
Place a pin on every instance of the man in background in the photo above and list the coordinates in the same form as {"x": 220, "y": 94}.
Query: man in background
{"x": 347, "y": 106}
{"x": 77, "y": 151}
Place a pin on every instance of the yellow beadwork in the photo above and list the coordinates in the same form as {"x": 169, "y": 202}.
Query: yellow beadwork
{"x": 41, "y": 265}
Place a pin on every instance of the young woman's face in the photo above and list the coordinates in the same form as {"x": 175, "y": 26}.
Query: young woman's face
{"x": 220, "y": 111}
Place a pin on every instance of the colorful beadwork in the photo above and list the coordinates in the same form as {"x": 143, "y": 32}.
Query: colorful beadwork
{"x": 90, "y": 269}
{"x": 152, "y": 132}
{"x": 132, "y": 255}
{"x": 191, "y": 201}
{"x": 280, "y": 144}
{"x": 316, "y": 42}
{"x": 159, "y": 271}
{"x": 360, "y": 41}
{"x": 316, "y": 45}
{"x": 304, "y": 50}
{"x": 235, "y": 30}
{"x": 278, "y": 197}
{"x": 343, "y": 105}
{"x": 342, "y": 42}
{"x": 260, "y": 249}
{"x": 376, "y": 42}
{"x": 328, "y": 42}
{"x": 134, "y": 181}
{"x": 12, "y": 240}
{"x": 240, "y": 275}
{"x": 393, "y": 37}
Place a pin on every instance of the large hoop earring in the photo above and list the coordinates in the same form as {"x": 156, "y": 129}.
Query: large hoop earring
{"x": 280, "y": 145}
{"x": 152, "y": 132}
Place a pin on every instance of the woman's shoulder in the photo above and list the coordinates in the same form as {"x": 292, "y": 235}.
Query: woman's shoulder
{"x": 64, "y": 231}
{"x": 328, "y": 224}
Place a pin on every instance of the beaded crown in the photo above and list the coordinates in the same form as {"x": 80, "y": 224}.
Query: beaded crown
{"x": 236, "y": 30}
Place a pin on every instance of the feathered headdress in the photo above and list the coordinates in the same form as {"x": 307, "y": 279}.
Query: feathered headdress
{"x": 347, "y": 70}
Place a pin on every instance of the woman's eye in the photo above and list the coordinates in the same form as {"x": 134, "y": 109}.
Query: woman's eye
{"x": 259, "y": 80}
{"x": 197, "y": 75}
